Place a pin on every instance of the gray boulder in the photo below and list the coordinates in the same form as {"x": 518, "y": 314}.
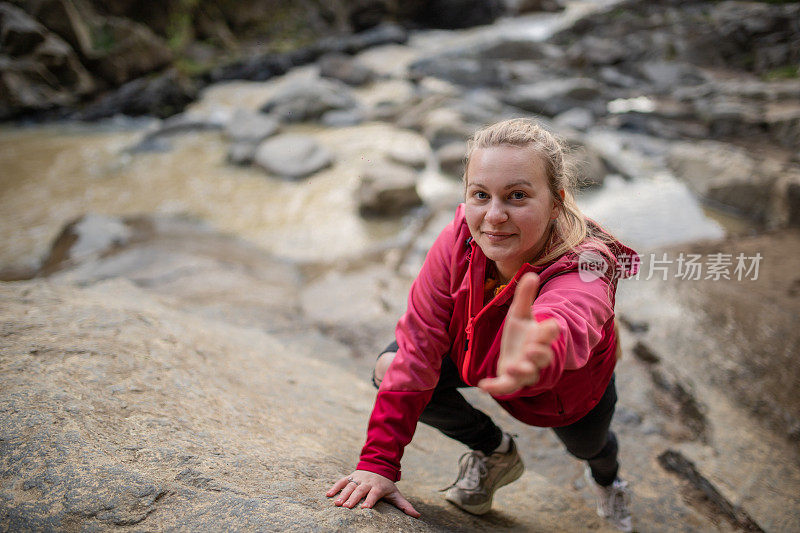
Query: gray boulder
{"x": 554, "y": 96}
{"x": 387, "y": 190}
{"x": 576, "y": 118}
{"x": 247, "y": 126}
{"x": 339, "y": 118}
{"x": 410, "y": 154}
{"x": 451, "y": 159}
{"x": 465, "y": 71}
{"x": 597, "y": 51}
{"x": 345, "y": 69}
{"x": 292, "y": 156}
{"x": 309, "y": 100}
{"x": 38, "y": 69}
{"x": 242, "y": 153}
{"x": 726, "y": 175}
{"x": 666, "y": 75}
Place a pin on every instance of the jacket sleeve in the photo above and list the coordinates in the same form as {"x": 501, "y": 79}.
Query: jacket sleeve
{"x": 423, "y": 339}
{"x": 581, "y": 309}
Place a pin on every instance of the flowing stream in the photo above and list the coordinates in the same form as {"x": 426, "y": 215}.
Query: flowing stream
{"x": 54, "y": 173}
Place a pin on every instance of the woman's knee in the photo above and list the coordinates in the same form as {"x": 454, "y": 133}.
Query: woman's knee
{"x": 381, "y": 366}
{"x": 587, "y": 449}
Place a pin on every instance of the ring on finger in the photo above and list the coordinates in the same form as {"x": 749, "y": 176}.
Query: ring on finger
{"x": 351, "y": 480}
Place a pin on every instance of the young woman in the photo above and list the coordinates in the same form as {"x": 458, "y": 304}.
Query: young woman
{"x": 504, "y": 301}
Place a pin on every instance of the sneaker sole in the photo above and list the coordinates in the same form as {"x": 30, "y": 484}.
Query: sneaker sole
{"x": 512, "y": 475}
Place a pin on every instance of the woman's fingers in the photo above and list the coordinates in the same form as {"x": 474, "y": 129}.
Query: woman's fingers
{"x": 346, "y": 492}
{"x": 339, "y": 485}
{"x": 357, "y": 495}
{"x": 500, "y": 385}
{"x": 399, "y": 501}
{"x": 523, "y": 297}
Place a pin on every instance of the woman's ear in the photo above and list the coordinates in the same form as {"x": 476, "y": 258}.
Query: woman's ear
{"x": 557, "y": 207}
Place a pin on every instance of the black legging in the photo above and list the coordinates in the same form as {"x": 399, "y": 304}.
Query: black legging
{"x": 588, "y": 439}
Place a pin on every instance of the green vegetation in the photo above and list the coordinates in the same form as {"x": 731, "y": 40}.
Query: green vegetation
{"x": 788, "y": 72}
{"x": 103, "y": 38}
{"x": 180, "y": 28}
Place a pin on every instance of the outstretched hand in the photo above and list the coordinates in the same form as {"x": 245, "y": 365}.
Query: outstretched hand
{"x": 525, "y": 345}
{"x": 370, "y": 487}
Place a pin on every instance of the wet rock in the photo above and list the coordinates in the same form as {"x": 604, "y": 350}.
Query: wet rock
{"x": 19, "y": 33}
{"x": 132, "y": 51}
{"x": 345, "y": 69}
{"x": 260, "y": 67}
{"x": 451, "y": 159}
{"x": 387, "y": 190}
{"x": 710, "y": 496}
{"x": 666, "y": 75}
{"x": 577, "y": 118}
{"x": 444, "y": 126}
{"x": 88, "y": 237}
{"x": 246, "y": 126}
{"x": 242, "y": 153}
{"x": 596, "y": 51}
{"x": 480, "y": 106}
{"x": 309, "y": 100}
{"x": 461, "y": 71}
{"x": 726, "y": 175}
{"x": 383, "y": 34}
{"x": 162, "y": 96}
{"x": 414, "y": 155}
{"x": 509, "y": 48}
{"x": 554, "y": 96}
{"x": 293, "y": 156}
{"x": 339, "y": 118}
{"x": 614, "y": 77}
{"x": 38, "y": 70}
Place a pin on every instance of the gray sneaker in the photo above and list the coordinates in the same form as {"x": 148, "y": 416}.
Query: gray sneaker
{"x": 613, "y": 502}
{"x": 479, "y": 476}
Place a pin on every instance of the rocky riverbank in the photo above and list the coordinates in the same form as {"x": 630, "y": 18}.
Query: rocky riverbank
{"x": 164, "y": 380}
{"x": 159, "y": 372}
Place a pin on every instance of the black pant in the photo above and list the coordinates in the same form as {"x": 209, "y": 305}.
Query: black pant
{"x": 588, "y": 439}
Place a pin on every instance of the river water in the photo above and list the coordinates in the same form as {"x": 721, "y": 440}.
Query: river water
{"x": 53, "y": 174}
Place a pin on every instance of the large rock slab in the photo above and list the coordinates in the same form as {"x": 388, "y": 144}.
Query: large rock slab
{"x": 722, "y": 337}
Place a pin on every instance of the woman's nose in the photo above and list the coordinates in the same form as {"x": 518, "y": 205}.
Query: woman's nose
{"x": 497, "y": 213}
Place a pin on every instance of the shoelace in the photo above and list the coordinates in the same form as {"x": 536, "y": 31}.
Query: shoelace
{"x": 473, "y": 469}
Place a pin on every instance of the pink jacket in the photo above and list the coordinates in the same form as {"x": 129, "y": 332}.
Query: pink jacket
{"x": 446, "y": 318}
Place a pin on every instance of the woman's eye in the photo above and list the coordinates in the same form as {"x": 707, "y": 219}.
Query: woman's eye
{"x": 480, "y": 195}
{"x": 517, "y": 195}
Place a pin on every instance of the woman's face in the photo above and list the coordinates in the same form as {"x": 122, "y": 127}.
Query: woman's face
{"x": 508, "y": 205}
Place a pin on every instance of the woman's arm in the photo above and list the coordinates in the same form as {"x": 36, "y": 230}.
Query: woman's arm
{"x": 423, "y": 339}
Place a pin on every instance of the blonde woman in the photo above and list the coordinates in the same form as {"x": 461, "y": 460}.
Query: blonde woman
{"x": 503, "y": 302}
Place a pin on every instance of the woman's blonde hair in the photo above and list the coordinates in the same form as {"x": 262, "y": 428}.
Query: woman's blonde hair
{"x": 570, "y": 230}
